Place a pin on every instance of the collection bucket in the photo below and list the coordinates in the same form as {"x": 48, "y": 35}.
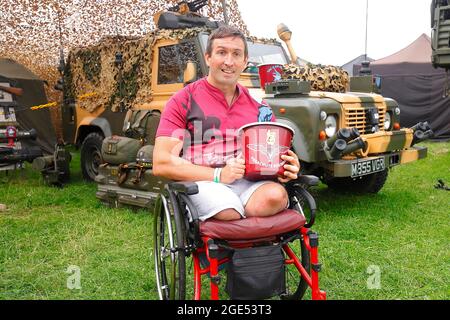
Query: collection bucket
{"x": 263, "y": 144}
{"x": 269, "y": 73}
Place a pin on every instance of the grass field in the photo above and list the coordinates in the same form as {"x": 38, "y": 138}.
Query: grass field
{"x": 392, "y": 245}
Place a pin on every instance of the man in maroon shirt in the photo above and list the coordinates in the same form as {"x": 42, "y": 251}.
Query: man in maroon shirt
{"x": 201, "y": 121}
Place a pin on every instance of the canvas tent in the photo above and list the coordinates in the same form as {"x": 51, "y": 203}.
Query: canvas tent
{"x": 357, "y": 61}
{"x": 408, "y": 77}
{"x": 33, "y": 95}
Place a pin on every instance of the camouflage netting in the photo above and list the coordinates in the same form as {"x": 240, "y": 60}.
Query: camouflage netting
{"x": 30, "y": 32}
{"x": 322, "y": 78}
{"x": 92, "y": 73}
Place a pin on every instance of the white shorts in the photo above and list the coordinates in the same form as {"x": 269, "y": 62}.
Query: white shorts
{"x": 213, "y": 197}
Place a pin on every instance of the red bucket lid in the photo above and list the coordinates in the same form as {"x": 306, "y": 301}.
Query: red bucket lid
{"x": 275, "y": 124}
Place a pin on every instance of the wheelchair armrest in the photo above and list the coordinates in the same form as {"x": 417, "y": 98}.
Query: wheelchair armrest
{"x": 308, "y": 180}
{"x": 186, "y": 187}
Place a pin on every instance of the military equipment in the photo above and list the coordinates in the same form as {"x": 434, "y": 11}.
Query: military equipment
{"x": 349, "y": 139}
{"x": 12, "y": 154}
{"x": 26, "y": 154}
{"x": 184, "y": 7}
{"x": 55, "y": 168}
{"x": 440, "y": 24}
{"x": 145, "y": 156}
{"x": 141, "y": 125}
{"x": 12, "y": 90}
{"x": 440, "y": 38}
{"x": 117, "y": 149}
{"x": 285, "y": 35}
{"x": 11, "y": 133}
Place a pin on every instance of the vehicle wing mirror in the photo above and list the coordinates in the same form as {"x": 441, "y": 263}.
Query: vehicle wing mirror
{"x": 190, "y": 72}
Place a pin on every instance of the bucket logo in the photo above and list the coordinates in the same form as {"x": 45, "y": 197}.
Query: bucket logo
{"x": 270, "y": 139}
{"x": 269, "y": 151}
{"x": 275, "y": 73}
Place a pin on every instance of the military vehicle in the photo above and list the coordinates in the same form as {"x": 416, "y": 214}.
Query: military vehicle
{"x": 349, "y": 139}
{"x": 440, "y": 36}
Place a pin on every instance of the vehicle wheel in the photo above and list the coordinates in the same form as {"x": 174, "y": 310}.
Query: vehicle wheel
{"x": 170, "y": 264}
{"x": 295, "y": 289}
{"x": 371, "y": 183}
{"x": 91, "y": 155}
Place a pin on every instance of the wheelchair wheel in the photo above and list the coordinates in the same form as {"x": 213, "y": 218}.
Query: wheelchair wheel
{"x": 301, "y": 201}
{"x": 295, "y": 288}
{"x": 170, "y": 263}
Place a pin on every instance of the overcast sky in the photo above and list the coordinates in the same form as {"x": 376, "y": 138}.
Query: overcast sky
{"x": 333, "y": 31}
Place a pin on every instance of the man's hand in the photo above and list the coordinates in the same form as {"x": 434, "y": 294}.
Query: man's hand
{"x": 291, "y": 168}
{"x": 233, "y": 171}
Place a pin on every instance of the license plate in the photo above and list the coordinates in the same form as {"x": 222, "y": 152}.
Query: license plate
{"x": 362, "y": 168}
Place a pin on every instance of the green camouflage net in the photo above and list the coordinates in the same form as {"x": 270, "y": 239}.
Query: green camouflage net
{"x": 93, "y": 78}
{"x": 33, "y": 31}
{"x": 322, "y": 78}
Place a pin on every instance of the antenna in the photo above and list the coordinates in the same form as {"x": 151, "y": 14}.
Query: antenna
{"x": 119, "y": 64}
{"x": 225, "y": 15}
{"x": 365, "y": 65}
{"x": 367, "y": 20}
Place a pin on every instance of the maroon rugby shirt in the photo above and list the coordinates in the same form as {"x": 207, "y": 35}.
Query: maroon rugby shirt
{"x": 200, "y": 116}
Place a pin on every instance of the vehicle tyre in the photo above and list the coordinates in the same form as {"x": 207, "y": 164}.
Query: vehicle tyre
{"x": 371, "y": 183}
{"x": 91, "y": 155}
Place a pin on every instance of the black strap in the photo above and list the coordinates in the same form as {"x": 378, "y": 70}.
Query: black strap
{"x": 441, "y": 185}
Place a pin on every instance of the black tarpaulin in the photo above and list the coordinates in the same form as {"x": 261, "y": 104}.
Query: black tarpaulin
{"x": 408, "y": 77}
{"x": 33, "y": 95}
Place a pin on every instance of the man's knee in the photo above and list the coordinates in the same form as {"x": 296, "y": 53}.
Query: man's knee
{"x": 277, "y": 196}
{"x": 227, "y": 215}
{"x": 268, "y": 200}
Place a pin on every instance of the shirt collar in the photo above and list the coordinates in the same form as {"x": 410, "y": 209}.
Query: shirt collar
{"x": 218, "y": 94}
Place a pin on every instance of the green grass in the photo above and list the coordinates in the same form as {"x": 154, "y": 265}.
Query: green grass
{"x": 403, "y": 231}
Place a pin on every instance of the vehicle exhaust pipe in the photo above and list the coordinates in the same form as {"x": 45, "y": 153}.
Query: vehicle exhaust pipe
{"x": 345, "y": 141}
{"x": 356, "y": 144}
{"x": 422, "y": 126}
{"x": 420, "y": 136}
{"x": 335, "y": 153}
{"x": 346, "y": 134}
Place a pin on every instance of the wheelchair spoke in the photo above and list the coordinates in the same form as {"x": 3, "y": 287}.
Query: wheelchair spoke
{"x": 168, "y": 249}
{"x": 295, "y": 284}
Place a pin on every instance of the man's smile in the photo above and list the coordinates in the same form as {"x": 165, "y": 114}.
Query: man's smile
{"x": 227, "y": 71}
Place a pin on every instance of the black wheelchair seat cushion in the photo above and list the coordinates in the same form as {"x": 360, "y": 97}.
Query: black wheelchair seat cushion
{"x": 253, "y": 227}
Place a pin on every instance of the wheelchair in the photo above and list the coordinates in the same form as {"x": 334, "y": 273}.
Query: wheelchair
{"x": 187, "y": 250}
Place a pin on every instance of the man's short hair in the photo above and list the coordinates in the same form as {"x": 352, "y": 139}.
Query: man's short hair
{"x": 225, "y": 32}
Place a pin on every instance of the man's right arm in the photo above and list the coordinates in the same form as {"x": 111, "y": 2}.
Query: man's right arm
{"x": 168, "y": 163}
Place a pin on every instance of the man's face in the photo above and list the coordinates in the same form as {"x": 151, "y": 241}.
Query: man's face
{"x": 227, "y": 61}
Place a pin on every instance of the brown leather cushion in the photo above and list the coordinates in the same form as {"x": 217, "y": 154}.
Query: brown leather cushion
{"x": 254, "y": 227}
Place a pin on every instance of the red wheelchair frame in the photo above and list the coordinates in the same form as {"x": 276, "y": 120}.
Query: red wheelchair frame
{"x": 188, "y": 236}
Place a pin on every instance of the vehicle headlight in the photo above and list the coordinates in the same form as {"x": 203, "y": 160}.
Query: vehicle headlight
{"x": 323, "y": 115}
{"x": 397, "y": 111}
{"x": 387, "y": 121}
{"x": 330, "y": 126}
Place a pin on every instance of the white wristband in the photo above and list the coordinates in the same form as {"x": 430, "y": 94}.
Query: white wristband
{"x": 217, "y": 172}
